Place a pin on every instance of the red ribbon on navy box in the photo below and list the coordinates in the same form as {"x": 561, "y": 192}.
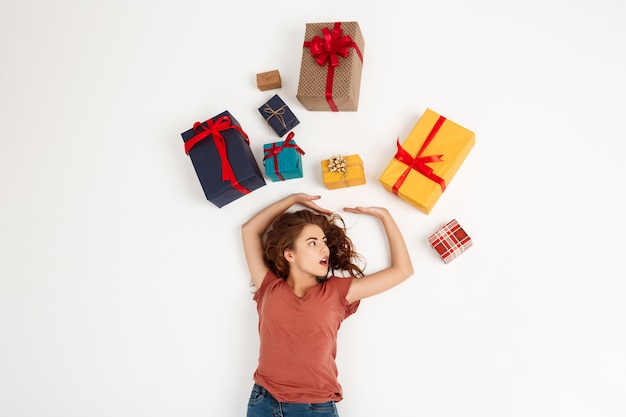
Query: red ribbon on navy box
{"x": 275, "y": 149}
{"x": 214, "y": 130}
{"x": 419, "y": 162}
{"x": 327, "y": 49}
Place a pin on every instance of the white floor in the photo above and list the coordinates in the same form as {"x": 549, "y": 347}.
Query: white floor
{"x": 123, "y": 290}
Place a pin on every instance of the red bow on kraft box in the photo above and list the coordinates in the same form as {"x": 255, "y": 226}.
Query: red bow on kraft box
{"x": 326, "y": 81}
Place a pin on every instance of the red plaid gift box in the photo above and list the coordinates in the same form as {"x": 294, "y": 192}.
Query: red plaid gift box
{"x": 450, "y": 241}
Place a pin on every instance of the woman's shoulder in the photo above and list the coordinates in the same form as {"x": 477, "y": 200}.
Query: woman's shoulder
{"x": 338, "y": 281}
{"x": 270, "y": 279}
{"x": 341, "y": 285}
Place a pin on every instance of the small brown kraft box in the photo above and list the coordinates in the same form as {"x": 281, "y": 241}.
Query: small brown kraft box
{"x": 268, "y": 80}
{"x": 332, "y": 62}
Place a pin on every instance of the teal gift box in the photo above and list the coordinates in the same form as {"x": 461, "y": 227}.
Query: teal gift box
{"x": 283, "y": 160}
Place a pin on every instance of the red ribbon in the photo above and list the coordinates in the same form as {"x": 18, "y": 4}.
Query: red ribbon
{"x": 276, "y": 149}
{"x": 327, "y": 49}
{"x": 215, "y": 130}
{"x": 419, "y": 162}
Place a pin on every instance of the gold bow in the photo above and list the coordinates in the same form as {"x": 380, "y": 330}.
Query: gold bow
{"x": 337, "y": 163}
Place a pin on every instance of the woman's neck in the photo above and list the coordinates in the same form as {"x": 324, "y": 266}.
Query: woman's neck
{"x": 300, "y": 284}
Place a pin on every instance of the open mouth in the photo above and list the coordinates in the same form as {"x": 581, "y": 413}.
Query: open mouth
{"x": 324, "y": 262}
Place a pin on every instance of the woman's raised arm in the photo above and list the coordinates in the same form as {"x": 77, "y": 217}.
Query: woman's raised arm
{"x": 400, "y": 267}
{"x": 252, "y": 231}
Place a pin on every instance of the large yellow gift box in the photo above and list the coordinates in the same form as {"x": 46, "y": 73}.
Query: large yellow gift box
{"x": 427, "y": 160}
{"x": 343, "y": 171}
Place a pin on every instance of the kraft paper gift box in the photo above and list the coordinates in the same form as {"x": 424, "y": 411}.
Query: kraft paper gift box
{"x": 426, "y": 162}
{"x": 283, "y": 160}
{"x": 220, "y": 153}
{"x": 278, "y": 115}
{"x": 331, "y": 67}
{"x": 450, "y": 241}
{"x": 269, "y": 80}
{"x": 343, "y": 171}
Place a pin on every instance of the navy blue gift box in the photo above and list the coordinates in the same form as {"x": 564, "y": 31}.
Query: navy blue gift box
{"x": 221, "y": 155}
{"x": 278, "y": 115}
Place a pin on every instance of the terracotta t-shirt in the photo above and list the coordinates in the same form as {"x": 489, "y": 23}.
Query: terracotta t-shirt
{"x": 299, "y": 339}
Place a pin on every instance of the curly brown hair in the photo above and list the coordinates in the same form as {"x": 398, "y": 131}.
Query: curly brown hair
{"x": 287, "y": 226}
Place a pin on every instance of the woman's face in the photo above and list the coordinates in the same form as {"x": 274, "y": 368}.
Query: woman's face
{"x": 310, "y": 253}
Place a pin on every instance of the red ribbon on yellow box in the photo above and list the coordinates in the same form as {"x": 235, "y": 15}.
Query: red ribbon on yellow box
{"x": 419, "y": 162}
{"x": 214, "y": 130}
{"x": 326, "y": 49}
{"x": 275, "y": 149}
{"x": 440, "y": 146}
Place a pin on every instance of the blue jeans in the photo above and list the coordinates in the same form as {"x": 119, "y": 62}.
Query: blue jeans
{"x": 262, "y": 404}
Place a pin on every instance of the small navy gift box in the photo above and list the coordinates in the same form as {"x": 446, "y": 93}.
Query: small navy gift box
{"x": 278, "y": 115}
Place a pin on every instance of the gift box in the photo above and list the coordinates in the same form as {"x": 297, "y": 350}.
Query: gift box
{"x": 450, "y": 241}
{"x": 220, "y": 153}
{"x": 278, "y": 115}
{"x": 426, "y": 162}
{"x": 269, "y": 80}
{"x": 330, "y": 71}
{"x": 343, "y": 171}
{"x": 283, "y": 160}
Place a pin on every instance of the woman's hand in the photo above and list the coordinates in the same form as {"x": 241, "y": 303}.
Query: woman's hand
{"x": 379, "y": 212}
{"x": 309, "y": 202}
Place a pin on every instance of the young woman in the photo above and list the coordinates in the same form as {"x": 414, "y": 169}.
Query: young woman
{"x": 301, "y": 305}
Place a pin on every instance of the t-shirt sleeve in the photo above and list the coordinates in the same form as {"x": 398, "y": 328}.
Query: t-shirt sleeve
{"x": 267, "y": 280}
{"x": 343, "y": 286}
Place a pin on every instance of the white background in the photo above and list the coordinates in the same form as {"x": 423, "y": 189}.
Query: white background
{"x": 123, "y": 291}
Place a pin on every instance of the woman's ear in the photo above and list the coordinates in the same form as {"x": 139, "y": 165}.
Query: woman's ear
{"x": 288, "y": 254}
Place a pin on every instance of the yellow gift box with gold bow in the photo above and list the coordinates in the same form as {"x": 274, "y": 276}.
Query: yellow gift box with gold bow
{"x": 343, "y": 171}
{"x": 427, "y": 161}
